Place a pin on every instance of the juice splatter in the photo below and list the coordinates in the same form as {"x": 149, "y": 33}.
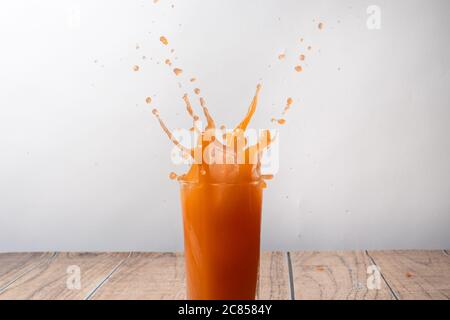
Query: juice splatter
{"x": 197, "y": 91}
{"x": 148, "y": 100}
{"x": 177, "y": 71}
{"x": 302, "y": 57}
{"x": 135, "y": 68}
{"x": 173, "y": 176}
{"x": 281, "y": 56}
{"x": 164, "y": 40}
{"x": 320, "y": 25}
{"x": 279, "y": 121}
{"x": 288, "y": 105}
{"x": 234, "y": 151}
{"x": 168, "y": 62}
{"x": 298, "y": 68}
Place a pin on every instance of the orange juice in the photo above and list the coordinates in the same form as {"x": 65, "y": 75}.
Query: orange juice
{"x": 221, "y": 197}
{"x": 221, "y": 239}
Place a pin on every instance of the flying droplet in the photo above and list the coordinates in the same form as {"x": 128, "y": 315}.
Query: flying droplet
{"x": 164, "y": 40}
{"x": 148, "y": 100}
{"x": 197, "y": 91}
{"x": 302, "y": 57}
{"x": 177, "y": 71}
{"x": 320, "y": 26}
{"x": 298, "y": 68}
{"x": 136, "y": 68}
{"x": 193, "y": 80}
{"x": 281, "y": 56}
{"x": 173, "y": 176}
{"x": 155, "y": 112}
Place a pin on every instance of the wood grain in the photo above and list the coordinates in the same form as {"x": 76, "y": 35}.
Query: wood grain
{"x": 48, "y": 280}
{"x": 415, "y": 274}
{"x": 334, "y": 275}
{"x": 15, "y": 265}
{"x": 146, "y": 276}
{"x": 273, "y": 283}
{"x": 315, "y": 275}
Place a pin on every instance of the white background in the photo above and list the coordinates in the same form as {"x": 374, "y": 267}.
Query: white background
{"x": 364, "y": 156}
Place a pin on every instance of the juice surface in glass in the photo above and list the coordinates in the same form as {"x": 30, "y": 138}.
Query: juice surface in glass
{"x": 222, "y": 225}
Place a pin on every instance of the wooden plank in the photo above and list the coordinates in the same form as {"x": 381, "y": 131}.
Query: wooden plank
{"x": 415, "y": 274}
{"x": 15, "y": 265}
{"x": 334, "y": 275}
{"x": 146, "y": 276}
{"x": 49, "y": 280}
{"x": 273, "y": 281}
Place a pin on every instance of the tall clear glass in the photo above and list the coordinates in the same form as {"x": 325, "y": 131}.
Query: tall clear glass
{"x": 222, "y": 226}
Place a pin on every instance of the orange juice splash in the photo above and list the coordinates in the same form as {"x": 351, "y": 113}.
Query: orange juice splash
{"x": 230, "y": 161}
{"x": 221, "y": 198}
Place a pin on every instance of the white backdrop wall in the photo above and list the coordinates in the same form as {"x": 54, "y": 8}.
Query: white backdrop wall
{"x": 364, "y": 156}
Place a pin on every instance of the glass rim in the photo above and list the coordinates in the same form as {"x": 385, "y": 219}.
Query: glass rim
{"x": 254, "y": 182}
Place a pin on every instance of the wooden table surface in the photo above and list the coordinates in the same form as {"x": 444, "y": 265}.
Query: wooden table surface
{"x": 292, "y": 275}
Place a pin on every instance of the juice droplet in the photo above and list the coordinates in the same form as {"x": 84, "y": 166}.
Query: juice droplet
{"x": 193, "y": 80}
{"x": 301, "y": 39}
{"x": 155, "y": 112}
{"x": 302, "y": 57}
{"x": 172, "y": 50}
{"x": 281, "y": 56}
{"x": 289, "y": 103}
{"x": 164, "y": 40}
{"x": 267, "y": 176}
{"x": 168, "y": 62}
{"x": 320, "y": 26}
{"x": 177, "y": 71}
{"x": 173, "y": 176}
{"x": 155, "y": 1}
{"x": 279, "y": 121}
{"x": 148, "y": 100}
{"x": 298, "y": 68}
{"x": 136, "y": 68}
{"x": 197, "y": 91}
{"x": 309, "y": 48}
